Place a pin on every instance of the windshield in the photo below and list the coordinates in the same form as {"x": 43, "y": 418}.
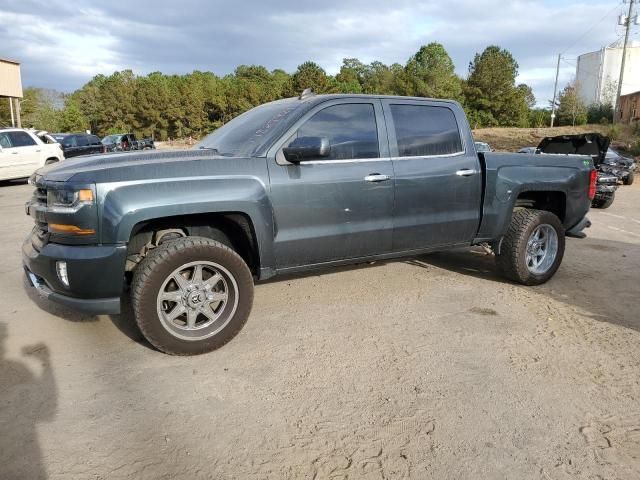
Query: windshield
{"x": 612, "y": 154}
{"x": 111, "y": 139}
{"x": 251, "y": 132}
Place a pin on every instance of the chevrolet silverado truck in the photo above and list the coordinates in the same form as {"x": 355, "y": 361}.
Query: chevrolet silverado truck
{"x": 292, "y": 185}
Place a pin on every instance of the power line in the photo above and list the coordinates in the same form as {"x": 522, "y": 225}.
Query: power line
{"x": 591, "y": 29}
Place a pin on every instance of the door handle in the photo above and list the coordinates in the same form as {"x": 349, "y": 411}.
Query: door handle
{"x": 466, "y": 172}
{"x": 376, "y": 177}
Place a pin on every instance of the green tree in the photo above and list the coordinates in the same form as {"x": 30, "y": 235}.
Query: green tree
{"x": 431, "y": 73}
{"x": 310, "y": 75}
{"x": 491, "y": 95}
{"x": 571, "y": 108}
{"x": 72, "y": 119}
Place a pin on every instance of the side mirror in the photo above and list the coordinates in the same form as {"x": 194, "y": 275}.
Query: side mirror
{"x": 307, "y": 148}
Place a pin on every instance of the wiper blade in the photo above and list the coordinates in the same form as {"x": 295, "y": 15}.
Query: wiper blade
{"x": 214, "y": 150}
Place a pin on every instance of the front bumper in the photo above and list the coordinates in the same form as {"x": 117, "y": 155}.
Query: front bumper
{"x": 96, "y": 274}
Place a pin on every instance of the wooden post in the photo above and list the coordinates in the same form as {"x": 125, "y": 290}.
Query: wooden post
{"x": 13, "y": 120}
{"x": 19, "y": 120}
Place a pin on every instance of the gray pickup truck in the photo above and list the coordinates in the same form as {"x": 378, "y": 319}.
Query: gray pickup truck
{"x": 291, "y": 185}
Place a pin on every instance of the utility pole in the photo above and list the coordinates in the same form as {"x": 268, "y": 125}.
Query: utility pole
{"x": 627, "y": 24}
{"x": 555, "y": 89}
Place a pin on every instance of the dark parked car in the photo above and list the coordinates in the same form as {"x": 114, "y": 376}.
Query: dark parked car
{"x": 76, "y": 144}
{"x": 124, "y": 142}
{"x": 594, "y": 145}
{"x": 292, "y": 185}
{"x": 620, "y": 166}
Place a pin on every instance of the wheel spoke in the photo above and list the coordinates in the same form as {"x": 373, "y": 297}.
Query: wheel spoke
{"x": 174, "y": 296}
{"x": 218, "y": 296}
{"x": 213, "y": 281}
{"x": 175, "y": 312}
{"x": 208, "y": 312}
{"x": 197, "y": 274}
{"x": 181, "y": 281}
{"x": 192, "y": 315}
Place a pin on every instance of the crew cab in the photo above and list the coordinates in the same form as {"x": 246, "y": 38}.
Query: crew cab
{"x": 292, "y": 185}
{"x": 22, "y": 153}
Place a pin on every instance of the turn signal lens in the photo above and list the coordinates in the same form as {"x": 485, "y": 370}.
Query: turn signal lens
{"x": 85, "y": 195}
{"x": 70, "y": 229}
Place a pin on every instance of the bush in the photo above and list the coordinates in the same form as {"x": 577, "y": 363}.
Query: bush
{"x": 613, "y": 132}
{"x": 635, "y": 149}
{"x": 600, "y": 113}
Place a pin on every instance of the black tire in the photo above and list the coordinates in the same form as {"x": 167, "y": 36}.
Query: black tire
{"x": 50, "y": 161}
{"x": 606, "y": 203}
{"x": 513, "y": 252}
{"x": 157, "y": 267}
{"x": 629, "y": 179}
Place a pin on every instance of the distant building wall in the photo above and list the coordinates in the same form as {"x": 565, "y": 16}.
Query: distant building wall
{"x": 630, "y": 107}
{"x": 597, "y": 73}
{"x": 10, "y": 81}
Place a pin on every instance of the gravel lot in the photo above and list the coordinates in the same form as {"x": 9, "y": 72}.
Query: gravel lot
{"x": 428, "y": 368}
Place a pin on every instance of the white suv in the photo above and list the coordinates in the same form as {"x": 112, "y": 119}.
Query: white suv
{"x": 22, "y": 153}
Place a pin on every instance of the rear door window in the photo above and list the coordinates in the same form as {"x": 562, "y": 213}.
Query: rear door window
{"x": 21, "y": 139}
{"x": 425, "y": 130}
{"x": 82, "y": 140}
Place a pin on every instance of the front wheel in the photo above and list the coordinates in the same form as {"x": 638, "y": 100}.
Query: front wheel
{"x": 532, "y": 249}
{"x": 191, "y": 295}
{"x": 629, "y": 179}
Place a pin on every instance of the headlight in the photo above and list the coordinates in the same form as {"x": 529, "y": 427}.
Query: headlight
{"x": 69, "y": 199}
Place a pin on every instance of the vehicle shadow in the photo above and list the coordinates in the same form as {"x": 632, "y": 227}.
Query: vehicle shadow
{"x": 600, "y": 280}
{"x": 26, "y": 400}
{"x": 125, "y": 322}
{"x": 12, "y": 183}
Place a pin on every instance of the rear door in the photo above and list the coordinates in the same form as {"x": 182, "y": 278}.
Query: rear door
{"x": 438, "y": 180}
{"x": 95, "y": 145}
{"x": 24, "y": 154}
{"x": 340, "y": 206}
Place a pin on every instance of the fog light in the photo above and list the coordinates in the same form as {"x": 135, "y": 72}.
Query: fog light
{"x": 61, "y": 269}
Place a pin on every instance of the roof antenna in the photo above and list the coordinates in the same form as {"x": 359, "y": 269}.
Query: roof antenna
{"x": 307, "y": 92}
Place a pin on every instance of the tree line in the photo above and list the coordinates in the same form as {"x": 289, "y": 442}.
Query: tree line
{"x": 179, "y": 106}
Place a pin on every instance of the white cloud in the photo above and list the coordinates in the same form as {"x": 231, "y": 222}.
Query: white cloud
{"x": 63, "y": 45}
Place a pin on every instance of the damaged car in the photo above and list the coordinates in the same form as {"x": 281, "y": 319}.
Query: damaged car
{"x": 597, "y": 147}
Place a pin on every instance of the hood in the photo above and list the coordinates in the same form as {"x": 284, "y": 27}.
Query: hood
{"x": 114, "y": 167}
{"x": 592, "y": 144}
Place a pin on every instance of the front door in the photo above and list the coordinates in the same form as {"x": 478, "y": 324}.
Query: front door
{"x": 438, "y": 179}
{"x": 337, "y": 206}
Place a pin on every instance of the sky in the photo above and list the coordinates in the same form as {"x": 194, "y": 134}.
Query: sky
{"x": 63, "y": 44}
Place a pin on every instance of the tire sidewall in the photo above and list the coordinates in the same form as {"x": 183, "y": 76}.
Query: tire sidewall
{"x": 547, "y": 218}
{"x": 163, "y": 263}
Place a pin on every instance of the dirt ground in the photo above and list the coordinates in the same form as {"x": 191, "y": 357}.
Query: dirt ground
{"x": 432, "y": 367}
{"x": 513, "y": 139}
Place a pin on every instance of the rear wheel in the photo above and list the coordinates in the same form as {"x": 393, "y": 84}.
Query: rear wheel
{"x": 532, "y": 249}
{"x": 605, "y": 203}
{"x": 191, "y": 295}
{"x": 629, "y": 179}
